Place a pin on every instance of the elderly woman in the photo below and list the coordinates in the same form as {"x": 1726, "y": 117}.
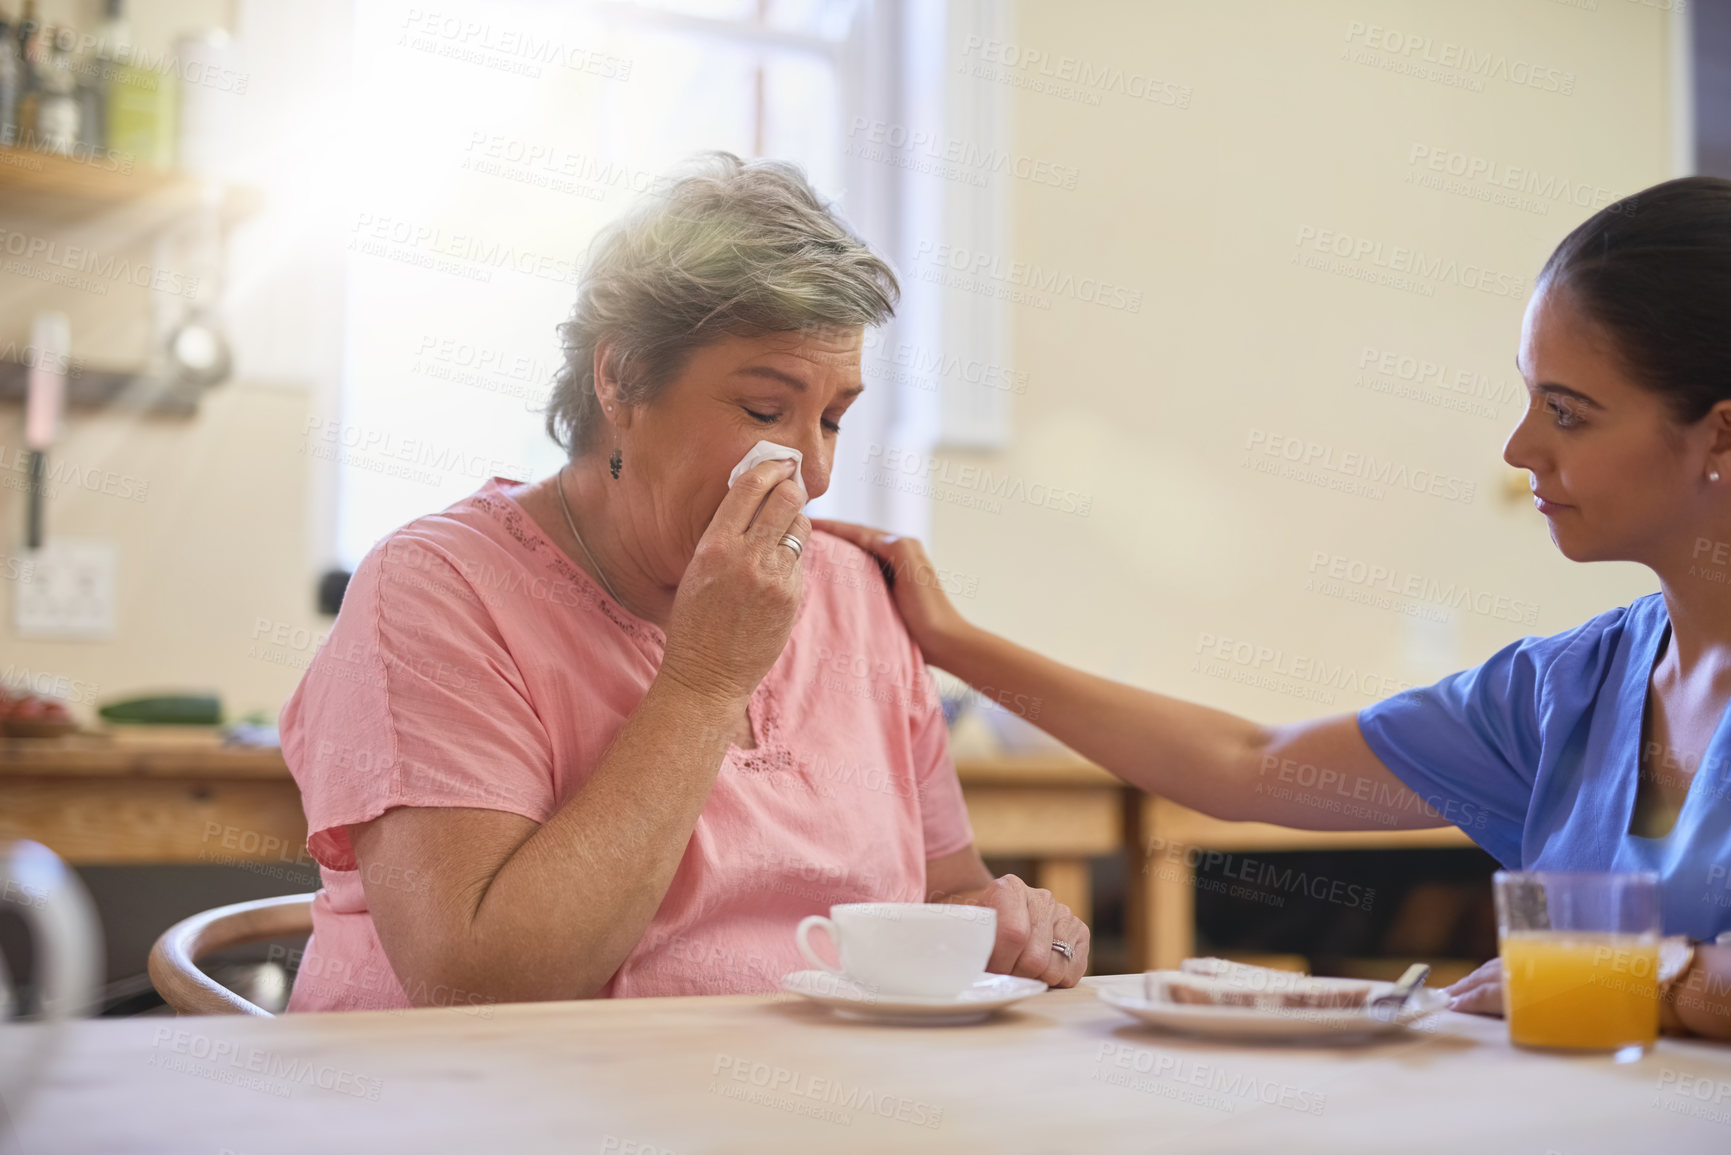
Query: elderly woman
{"x": 616, "y": 731}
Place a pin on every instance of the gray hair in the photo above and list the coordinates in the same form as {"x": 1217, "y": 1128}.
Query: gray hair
{"x": 733, "y": 248}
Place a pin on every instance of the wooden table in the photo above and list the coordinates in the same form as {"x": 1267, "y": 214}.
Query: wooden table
{"x": 1064, "y": 1073}
{"x": 177, "y": 797}
{"x": 181, "y": 798}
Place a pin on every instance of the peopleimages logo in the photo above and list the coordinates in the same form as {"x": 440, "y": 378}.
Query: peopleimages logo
{"x": 465, "y": 254}
{"x": 61, "y": 474}
{"x": 1399, "y": 374}
{"x": 890, "y": 462}
{"x": 507, "y": 49}
{"x": 105, "y": 58}
{"x": 954, "y": 151}
{"x": 21, "y": 680}
{"x": 1373, "y": 260}
{"x": 1362, "y": 474}
{"x": 47, "y": 258}
{"x": 1070, "y": 76}
{"x": 549, "y": 166}
{"x": 920, "y": 366}
{"x": 1204, "y": 1084}
{"x": 975, "y": 267}
{"x": 384, "y": 451}
{"x": 1308, "y": 669}
{"x": 1497, "y": 178}
{"x": 1467, "y": 62}
{"x": 1233, "y": 869}
{"x": 800, "y": 1093}
{"x": 1374, "y": 578}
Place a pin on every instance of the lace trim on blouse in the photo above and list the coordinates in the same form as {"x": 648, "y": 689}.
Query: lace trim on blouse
{"x": 770, "y": 756}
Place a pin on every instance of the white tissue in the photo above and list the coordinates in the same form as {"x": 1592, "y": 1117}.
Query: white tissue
{"x": 761, "y": 452}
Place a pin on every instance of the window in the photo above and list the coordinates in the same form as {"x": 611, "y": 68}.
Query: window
{"x": 488, "y": 142}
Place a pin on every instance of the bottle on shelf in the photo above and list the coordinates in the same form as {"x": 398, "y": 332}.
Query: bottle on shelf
{"x": 113, "y": 45}
{"x": 10, "y": 82}
{"x": 25, "y": 33}
{"x": 27, "y": 38}
{"x": 140, "y": 120}
{"x": 57, "y": 104}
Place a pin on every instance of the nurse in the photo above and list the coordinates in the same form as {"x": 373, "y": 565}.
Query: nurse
{"x": 1604, "y": 747}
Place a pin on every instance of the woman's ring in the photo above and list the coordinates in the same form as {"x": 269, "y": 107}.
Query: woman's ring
{"x": 1064, "y": 948}
{"x": 793, "y": 543}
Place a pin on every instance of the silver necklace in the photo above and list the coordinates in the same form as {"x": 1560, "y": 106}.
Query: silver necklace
{"x": 564, "y": 505}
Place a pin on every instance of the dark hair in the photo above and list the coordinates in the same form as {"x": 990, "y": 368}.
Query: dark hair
{"x": 1654, "y": 272}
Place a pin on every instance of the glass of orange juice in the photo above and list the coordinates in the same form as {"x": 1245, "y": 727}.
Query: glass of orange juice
{"x": 1580, "y": 958}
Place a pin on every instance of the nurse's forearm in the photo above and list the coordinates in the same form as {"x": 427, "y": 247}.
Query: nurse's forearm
{"x": 1195, "y": 755}
{"x": 1315, "y": 775}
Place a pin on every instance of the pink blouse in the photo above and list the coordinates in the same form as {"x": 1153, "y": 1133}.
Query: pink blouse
{"x": 474, "y": 665}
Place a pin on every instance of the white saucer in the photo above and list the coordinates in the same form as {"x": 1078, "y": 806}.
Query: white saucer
{"x": 851, "y": 1000}
{"x": 1126, "y": 994}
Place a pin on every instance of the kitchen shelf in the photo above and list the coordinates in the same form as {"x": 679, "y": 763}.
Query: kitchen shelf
{"x": 63, "y": 187}
{"x": 107, "y": 389}
{"x": 66, "y": 192}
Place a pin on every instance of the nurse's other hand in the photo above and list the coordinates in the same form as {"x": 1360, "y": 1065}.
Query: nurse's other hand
{"x": 1480, "y": 993}
{"x": 932, "y": 621}
{"x": 1029, "y": 921}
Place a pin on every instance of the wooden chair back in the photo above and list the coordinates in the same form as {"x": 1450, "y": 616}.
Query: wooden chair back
{"x": 174, "y": 959}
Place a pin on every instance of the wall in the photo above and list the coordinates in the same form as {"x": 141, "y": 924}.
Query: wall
{"x": 1262, "y": 129}
{"x": 1221, "y": 135}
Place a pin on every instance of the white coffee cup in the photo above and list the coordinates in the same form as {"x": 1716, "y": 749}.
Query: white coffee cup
{"x": 919, "y": 949}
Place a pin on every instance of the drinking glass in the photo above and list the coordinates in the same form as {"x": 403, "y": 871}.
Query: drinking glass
{"x": 1580, "y": 958}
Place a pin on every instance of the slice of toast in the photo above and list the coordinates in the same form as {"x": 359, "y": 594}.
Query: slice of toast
{"x": 1223, "y": 983}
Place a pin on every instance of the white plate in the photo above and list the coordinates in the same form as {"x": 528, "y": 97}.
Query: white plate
{"x": 853, "y": 1001}
{"x": 1125, "y": 992}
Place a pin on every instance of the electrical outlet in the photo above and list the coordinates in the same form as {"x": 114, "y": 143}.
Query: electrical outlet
{"x": 70, "y": 593}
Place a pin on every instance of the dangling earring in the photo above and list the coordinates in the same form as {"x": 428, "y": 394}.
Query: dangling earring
{"x": 616, "y": 460}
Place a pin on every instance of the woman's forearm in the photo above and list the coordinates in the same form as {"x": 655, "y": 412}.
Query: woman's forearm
{"x": 1195, "y": 755}
{"x": 568, "y": 906}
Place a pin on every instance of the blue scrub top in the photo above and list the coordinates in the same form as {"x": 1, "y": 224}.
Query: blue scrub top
{"x": 1536, "y": 755}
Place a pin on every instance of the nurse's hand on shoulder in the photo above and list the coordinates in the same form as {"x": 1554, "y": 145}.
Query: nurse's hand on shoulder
{"x": 1480, "y": 993}
{"x": 931, "y": 619}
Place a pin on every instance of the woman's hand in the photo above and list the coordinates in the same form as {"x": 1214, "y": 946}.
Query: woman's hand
{"x": 931, "y": 620}
{"x": 1480, "y": 993}
{"x": 736, "y": 603}
{"x": 1029, "y": 922}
